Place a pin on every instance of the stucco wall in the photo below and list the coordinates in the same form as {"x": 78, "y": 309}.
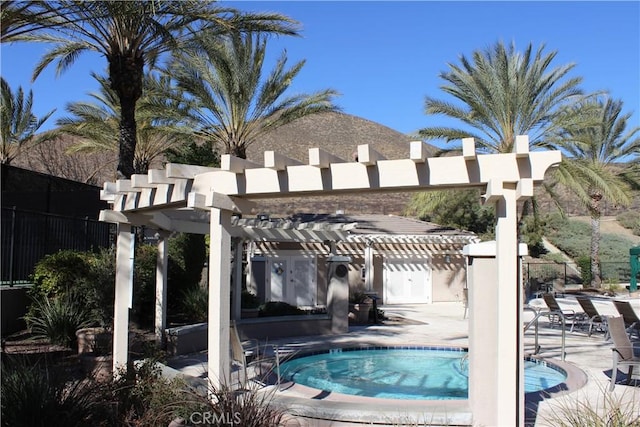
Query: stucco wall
{"x": 448, "y": 278}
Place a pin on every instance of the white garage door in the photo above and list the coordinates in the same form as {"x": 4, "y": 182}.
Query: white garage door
{"x": 407, "y": 282}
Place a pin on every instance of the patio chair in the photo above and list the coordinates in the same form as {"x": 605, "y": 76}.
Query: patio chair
{"x": 242, "y": 352}
{"x": 631, "y": 320}
{"x": 556, "y": 313}
{"x": 623, "y": 350}
{"x": 596, "y": 320}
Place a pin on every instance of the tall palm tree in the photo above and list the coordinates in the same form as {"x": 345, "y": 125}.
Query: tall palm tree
{"x": 231, "y": 103}
{"x": 18, "y": 124}
{"x": 502, "y": 93}
{"x": 596, "y": 170}
{"x": 96, "y": 123}
{"x": 133, "y": 34}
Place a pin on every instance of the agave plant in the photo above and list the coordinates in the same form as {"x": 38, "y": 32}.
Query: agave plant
{"x": 58, "y": 319}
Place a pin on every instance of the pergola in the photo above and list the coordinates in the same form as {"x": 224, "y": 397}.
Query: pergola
{"x": 203, "y": 200}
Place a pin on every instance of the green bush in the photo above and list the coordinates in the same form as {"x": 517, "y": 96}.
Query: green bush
{"x": 58, "y": 319}
{"x": 630, "y": 220}
{"x": 57, "y": 273}
{"x": 195, "y": 304}
{"x": 584, "y": 264}
{"x": 249, "y": 300}
{"x": 33, "y": 395}
{"x": 144, "y": 284}
{"x": 187, "y": 255}
{"x": 574, "y": 238}
{"x": 88, "y": 276}
{"x": 279, "y": 308}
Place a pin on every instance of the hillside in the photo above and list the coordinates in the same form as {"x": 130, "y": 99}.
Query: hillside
{"x": 609, "y": 225}
{"x": 339, "y": 134}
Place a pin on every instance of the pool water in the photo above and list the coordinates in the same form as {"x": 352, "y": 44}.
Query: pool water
{"x": 419, "y": 374}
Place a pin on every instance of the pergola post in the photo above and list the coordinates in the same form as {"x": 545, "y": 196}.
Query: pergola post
{"x": 161, "y": 287}
{"x": 237, "y": 278}
{"x": 123, "y": 296}
{"x": 495, "y": 329}
{"x": 219, "y": 292}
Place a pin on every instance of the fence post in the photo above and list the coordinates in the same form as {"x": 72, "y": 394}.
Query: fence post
{"x": 12, "y": 244}
{"x": 86, "y": 233}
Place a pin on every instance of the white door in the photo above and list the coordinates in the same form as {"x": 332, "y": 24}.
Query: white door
{"x": 302, "y": 279}
{"x": 407, "y": 282}
{"x": 292, "y": 279}
{"x": 278, "y": 279}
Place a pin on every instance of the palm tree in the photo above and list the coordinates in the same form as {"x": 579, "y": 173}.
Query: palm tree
{"x": 97, "y": 123}
{"x": 230, "y": 102}
{"x": 131, "y": 35}
{"x": 18, "y": 124}
{"x": 596, "y": 170}
{"x": 17, "y": 17}
{"x": 503, "y": 93}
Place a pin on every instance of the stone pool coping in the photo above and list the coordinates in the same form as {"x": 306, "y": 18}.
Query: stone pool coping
{"x": 316, "y": 404}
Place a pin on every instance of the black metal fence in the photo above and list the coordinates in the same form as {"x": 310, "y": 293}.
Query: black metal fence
{"x": 564, "y": 273}
{"x": 29, "y": 236}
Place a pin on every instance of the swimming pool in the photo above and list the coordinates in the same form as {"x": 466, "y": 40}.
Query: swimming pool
{"x": 416, "y": 373}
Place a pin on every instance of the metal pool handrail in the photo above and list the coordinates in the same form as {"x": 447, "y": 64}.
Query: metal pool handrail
{"x": 534, "y": 321}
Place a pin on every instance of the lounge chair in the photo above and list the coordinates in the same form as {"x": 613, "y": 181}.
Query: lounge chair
{"x": 623, "y": 350}
{"x": 631, "y": 320}
{"x": 557, "y": 314}
{"x": 595, "y": 319}
{"x": 242, "y": 352}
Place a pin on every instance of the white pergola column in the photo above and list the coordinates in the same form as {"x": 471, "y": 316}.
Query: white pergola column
{"x": 123, "y": 296}
{"x": 509, "y": 394}
{"x": 219, "y": 292}
{"x": 237, "y": 278}
{"x": 495, "y": 331}
{"x": 161, "y": 286}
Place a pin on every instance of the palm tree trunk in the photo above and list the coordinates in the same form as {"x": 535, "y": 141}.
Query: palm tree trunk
{"x": 596, "y": 280}
{"x": 127, "y": 139}
{"x": 126, "y": 76}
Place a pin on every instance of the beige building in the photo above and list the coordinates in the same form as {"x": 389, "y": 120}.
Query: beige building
{"x": 398, "y": 259}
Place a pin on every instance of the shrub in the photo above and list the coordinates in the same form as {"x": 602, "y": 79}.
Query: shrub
{"x": 279, "y": 308}
{"x": 88, "y": 276}
{"x": 57, "y": 273}
{"x": 574, "y": 238}
{"x": 247, "y": 407}
{"x": 630, "y": 220}
{"x": 33, "y": 395}
{"x": 144, "y": 284}
{"x": 249, "y": 300}
{"x": 612, "y": 410}
{"x": 146, "y": 398}
{"x": 553, "y": 257}
{"x": 584, "y": 263}
{"x": 58, "y": 319}
{"x": 195, "y": 304}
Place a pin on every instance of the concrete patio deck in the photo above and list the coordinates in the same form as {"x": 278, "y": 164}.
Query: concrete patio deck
{"x": 444, "y": 324}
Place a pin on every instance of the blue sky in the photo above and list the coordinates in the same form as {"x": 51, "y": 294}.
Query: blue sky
{"x": 384, "y": 57}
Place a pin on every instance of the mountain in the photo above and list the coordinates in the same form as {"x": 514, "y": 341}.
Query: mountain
{"x": 338, "y": 134}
